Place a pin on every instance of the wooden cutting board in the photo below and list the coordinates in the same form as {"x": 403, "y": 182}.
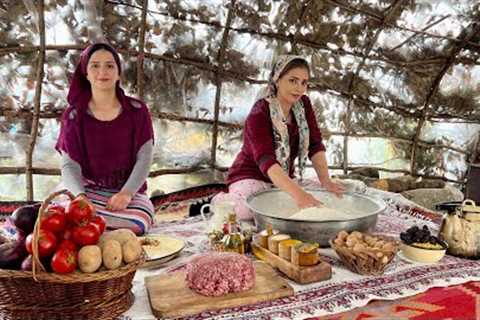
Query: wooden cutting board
{"x": 301, "y": 274}
{"x": 170, "y": 297}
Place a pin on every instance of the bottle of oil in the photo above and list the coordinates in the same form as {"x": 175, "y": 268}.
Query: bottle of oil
{"x": 233, "y": 240}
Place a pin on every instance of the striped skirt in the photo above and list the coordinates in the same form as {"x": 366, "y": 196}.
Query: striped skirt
{"x": 138, "y": 216}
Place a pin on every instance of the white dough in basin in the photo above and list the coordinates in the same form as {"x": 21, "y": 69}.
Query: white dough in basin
{"x": 320, "y": 214}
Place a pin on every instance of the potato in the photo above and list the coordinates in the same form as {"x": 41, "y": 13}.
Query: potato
{"x": 112, "y": 254}
{"x": 131, "y": 250}
{"x": 359, "y": 247}
{"x": 389, "y": 246}
{"x": 379, "y": 244}
{"x": 351, "y": 241}
{"x": 120, "y": 235}
{"x": 342, "y": 235}
{"x": 357, "y": 235}
{"x": 370, "y": 240}
{"x": 89, "y": 258}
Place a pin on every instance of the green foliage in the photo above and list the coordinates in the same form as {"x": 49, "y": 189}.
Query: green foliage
{"x": 429, "y": 161}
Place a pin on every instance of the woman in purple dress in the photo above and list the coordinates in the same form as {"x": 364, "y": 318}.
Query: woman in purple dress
{"x": 280, "y": 127}
{"x": 106, "y": 142}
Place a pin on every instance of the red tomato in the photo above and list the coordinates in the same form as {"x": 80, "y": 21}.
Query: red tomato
{"x": 64, "y": 261}
{"x": 54, "y": 222}
{"x": 80, "y": 212}
{"x": 67, "y": 244}
{"x": 99, "y": 222}
{"x": 66, "y": 234}
{"x": 47, "y": 242}
{"x": 86, "y": 235}
{"x": 55, "y": 208}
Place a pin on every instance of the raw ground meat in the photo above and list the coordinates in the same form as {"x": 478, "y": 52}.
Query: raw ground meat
{"x": 219, "y": 273}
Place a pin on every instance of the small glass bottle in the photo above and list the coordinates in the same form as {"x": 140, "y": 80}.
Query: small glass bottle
{"x": 231, "y": 225}
{"x": 233, "y": 240}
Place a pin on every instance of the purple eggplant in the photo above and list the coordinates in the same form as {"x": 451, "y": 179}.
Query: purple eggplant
{"x": 12, "y": 254}
{"x": 3, "y": 237}
{"x": 27, "y": 263}
{"x": 24, "y": 217}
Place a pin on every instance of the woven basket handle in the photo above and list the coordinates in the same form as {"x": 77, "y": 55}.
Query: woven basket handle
{"x": 36, "y": 231}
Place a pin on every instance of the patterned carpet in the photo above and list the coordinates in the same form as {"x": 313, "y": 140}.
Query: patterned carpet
{"x": 460, "y": 302}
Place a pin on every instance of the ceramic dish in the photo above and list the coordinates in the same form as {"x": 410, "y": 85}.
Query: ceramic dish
{"x": 161, "y": 248}
{"x": 423, "y": 255}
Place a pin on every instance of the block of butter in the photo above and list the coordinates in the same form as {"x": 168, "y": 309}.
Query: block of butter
{"x": 305, "y": 254}
{"x": 285, "y": 248}
{"x": 274, "y": 240}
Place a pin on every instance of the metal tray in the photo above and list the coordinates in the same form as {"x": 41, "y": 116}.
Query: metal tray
{"x": 275, "y": 206}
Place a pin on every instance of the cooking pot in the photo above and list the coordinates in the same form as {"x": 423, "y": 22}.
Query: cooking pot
{"x": 275, "y": 207}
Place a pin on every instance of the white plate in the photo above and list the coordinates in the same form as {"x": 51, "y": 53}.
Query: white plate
{"x": 168, "y": 248}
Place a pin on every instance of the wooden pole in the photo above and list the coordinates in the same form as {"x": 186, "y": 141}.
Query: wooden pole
{"x": 367, "y": 49}
{"x": 141, "y": 53}
{"x": 218, "y": 80}
{"x": 37, "y": 101}
{"x": 299, "y": 24}
{"x": 467, "y": 34}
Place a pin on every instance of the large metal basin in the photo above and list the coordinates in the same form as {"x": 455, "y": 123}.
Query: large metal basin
{"x": 275, "y": 206}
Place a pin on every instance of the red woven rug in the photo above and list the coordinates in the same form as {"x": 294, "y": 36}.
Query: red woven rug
{"x": 460, "y": 302}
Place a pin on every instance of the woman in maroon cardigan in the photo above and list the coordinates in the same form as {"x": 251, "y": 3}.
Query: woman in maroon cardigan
{"x": 106, "y": 142}
{"x": 280, "y": 127}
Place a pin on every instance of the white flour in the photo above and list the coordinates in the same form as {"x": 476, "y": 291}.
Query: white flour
{"x": 280, "y": 204}
{"x": 321, "y": 214}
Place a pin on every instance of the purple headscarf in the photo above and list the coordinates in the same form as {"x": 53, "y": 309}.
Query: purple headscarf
{"x": 105, "y": 150}
{"x": 80, "y": 90}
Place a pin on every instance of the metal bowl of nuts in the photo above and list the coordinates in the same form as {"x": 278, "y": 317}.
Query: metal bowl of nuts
{"x": 364, "y": 253}
{"x": 352, "y": 212}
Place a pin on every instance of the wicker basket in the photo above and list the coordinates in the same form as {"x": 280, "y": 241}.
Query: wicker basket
{"x": 366, "y": 264}
{"x": 107, "y": 310}
{"x": 41, "y": 295}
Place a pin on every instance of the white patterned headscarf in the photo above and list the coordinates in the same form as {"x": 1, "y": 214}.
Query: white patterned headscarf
{"x": 279, "y": 122}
